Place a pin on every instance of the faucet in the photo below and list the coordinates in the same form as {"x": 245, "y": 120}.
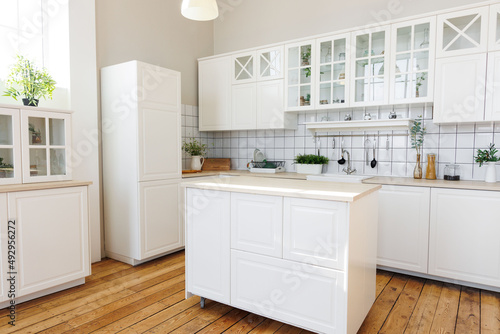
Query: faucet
{"x": 349, "y": 169}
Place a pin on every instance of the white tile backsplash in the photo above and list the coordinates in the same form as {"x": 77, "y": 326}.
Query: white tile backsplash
{"x": 450, "y": 143}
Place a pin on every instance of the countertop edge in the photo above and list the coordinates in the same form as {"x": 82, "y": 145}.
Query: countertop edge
{"x": 410, "y": 182}
{"x": 8, "y": 188}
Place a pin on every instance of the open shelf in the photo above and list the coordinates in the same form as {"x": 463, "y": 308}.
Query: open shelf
{"x": 376, "y": 125}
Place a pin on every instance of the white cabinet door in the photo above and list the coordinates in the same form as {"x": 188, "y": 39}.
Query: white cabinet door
{"x": 159, "y": 134}
{"x": 52, "y": 237}
{"x": 460, "y": 89}
{"x": 461, "y": 33}
{"x": 413, "y": 48}
{"x": 494, "y": 28}
{"x": 244, "y": 68}
{"x": 300, "y": 76}
{"x": 303, "y": 295}
{"x": 208, "y": 244}
{"x": 4, "y": 250}
{"x": 464, "y": 232}
{"x": 270, "y": 63}
{"x": 244, "y": 100}
{"x": 270, "y": 107}
{"x": 161, "y": 228}
{"x": 214, "y": 80}
{"x": 10, "y": 147}
{"x": 315, "y": 232}
{"x": 492, "y": 110}
{"x": 257, "y": 224}
{"x": 403, "y": 227}
{"x": 159, "y": 86}
{"x": 370, "y": 67}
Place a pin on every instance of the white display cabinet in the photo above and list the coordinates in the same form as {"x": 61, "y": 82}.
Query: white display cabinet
{"x": 244, "y": 68}
{"x": 370, "y": 67}
{"x": 463, "y": 32}
{"x": 412, "y": 61}
{"x": 46, "y": 139}
{"x": 494, "y": 28}
{"x": 332, "y": 72}
{"x": 299, "y": 76}
{"x": 10, "y": 147}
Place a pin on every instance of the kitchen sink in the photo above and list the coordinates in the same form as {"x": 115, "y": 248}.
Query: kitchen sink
{"x": 338, "y": 178}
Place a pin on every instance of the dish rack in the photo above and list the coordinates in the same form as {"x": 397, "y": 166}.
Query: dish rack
{"x": 267, "y": 166}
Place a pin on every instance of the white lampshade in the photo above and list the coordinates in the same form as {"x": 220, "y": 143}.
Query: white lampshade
{"x": 200, "y": 10}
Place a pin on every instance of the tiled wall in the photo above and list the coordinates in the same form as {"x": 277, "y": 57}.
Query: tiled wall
{"x": 450, "y": 143}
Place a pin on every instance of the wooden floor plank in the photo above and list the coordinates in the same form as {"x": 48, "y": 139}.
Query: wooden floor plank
{"x": 423, "y": 315}
{"x": 447, "y": 309}
{"x": 383, "y": 305}
{"x": 469, "y": 318}
{"x": 119, "y": 298}
{"x": 490, "y": 312}
{"x": 400, "y": 315}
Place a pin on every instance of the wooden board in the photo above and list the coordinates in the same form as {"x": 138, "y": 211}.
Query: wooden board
{"x": 189, "y": 171}
{"x": 213, "y": 164}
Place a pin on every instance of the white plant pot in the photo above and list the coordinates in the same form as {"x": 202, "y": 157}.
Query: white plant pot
{"x": 491, "y": 172}
{"x": 197, "y": 162}
{"x": 309, "y": 169}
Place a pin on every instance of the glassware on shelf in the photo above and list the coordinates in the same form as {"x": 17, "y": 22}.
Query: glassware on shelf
{"x": 425, "y": 43}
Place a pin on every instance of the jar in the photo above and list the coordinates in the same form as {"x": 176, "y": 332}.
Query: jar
{"x": 452, "y": 172}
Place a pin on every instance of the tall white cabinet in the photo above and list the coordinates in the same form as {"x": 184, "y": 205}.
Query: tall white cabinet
{"x": 141, "y": 115}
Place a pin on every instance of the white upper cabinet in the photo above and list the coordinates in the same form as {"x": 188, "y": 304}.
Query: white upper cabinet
{"x": 244, "y": 68}
{"x": 299, "y": 76}
{"x": 215, "y": 94}
{"x": 412, "y": 61}
{"x": 10, "y": 147}
{"x": 494, "y": 28}
{"x": 492, "y": 110}
{"x": 270, "y": 63}
{"x": 332, "y": 72}
{"x": 244, "y": 107}
{"x": 463, "y": 32}
{"x": 370, "y": 67}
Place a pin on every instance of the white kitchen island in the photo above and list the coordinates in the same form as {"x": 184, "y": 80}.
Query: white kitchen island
{"x": 300, "y": 252}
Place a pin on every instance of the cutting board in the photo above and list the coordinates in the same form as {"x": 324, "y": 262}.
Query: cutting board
{"x": 216, "y": 164}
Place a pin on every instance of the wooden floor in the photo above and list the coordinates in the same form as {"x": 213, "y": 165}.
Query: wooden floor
{"x": 150, "y": 298}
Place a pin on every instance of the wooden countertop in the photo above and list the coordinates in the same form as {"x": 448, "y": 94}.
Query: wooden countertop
{"x": 330, "y": 191}
{"x": 408, "y": 181}
{"x": 42, "y": 186}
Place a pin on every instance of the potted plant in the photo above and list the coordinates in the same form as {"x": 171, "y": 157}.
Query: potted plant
{"x": 420, "y": 80}
{"x": 28, "y": 82}
{"x": 488, "y": 157}
{"x": 417, "y": 133}
{"x": 310, "y": 163}
{"x": 306, "y": 56}
{"x": 197, "y": 151}
{"x": 36, "y": 135}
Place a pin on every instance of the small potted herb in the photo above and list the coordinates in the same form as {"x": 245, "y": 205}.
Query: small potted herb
{"x": 489, "y": 158}
{"x": 197, "y": 151}
{"x": 310, "y": 163}
{"x": 28, "y": 82}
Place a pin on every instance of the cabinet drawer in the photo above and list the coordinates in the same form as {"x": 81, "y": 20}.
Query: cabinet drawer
{"x": 315, "y": 232}
{"x": 300, "y": 294}
{"x": 257, "y": 224}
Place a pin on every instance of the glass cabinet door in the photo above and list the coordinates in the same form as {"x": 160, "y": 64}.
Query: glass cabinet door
{"x": 412, "y": 60}
{"x": 331, "y": 73}
{"x": 47, "y": 135}
{"x": 494, "y": 31}
{"x": 462, "y": 33}
{"x": 244, "y": 68}
{"x": 299, "y": 76}
{"x": 270, "y": 63}
{"x": 10, "y": 147}
{"x": 369, "y": 68}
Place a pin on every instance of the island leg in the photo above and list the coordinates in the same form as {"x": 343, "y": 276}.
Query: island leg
{"x": 202, "y": 302}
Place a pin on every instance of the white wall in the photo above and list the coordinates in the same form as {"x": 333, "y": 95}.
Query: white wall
{"x": 155, "y": 32}
{"x": 249, "y": 23}
{"x": 83, "y": 101}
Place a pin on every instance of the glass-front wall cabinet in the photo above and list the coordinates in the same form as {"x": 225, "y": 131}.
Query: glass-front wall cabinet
{"x": 270, "y": 63}
{"x": 48, "y": 136}
{"x": 461, "y": 33}
{"x": 412, "y": 59}
{"x": 370, "y": 67}
{"x": 10, "y": 147}
{"x": 244, "y": 68}
{"x": 300, "y": 76}
{"x": 332, "y": 72}
{"x": 494, "y": 29}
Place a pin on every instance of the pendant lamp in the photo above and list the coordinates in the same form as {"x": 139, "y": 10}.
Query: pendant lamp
{"x": 200, "y": 10}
